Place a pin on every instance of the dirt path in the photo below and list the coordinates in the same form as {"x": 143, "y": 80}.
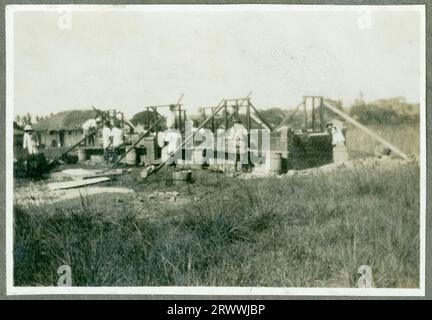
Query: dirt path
{"x": 39, "y": 194}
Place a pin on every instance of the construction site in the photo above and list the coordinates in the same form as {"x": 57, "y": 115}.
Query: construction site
{"x": 284, "y": 149}
{"x": 292, "y": 175}
{"x": 194, "y": 149}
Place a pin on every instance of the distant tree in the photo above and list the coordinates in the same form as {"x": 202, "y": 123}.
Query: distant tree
{"x": 360, "y": 100}
{"x": 273, "y": 116}
{"x": 146, "y": 118}
{"x": 26, "y": 119}
{"x": 386, "y": 111}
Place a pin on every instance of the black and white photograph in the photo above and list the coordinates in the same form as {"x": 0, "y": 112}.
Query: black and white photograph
{"x": 216, "y": 150}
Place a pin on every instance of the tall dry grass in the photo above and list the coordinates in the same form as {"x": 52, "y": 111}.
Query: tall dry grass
{"x": 404, "y": 136}
{"x": 311, "y": 231}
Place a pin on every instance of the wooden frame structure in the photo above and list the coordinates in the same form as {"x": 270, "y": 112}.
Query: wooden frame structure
{"x": 317, "y": 103}
{"x": 236, "y": 104}
{"x": 315, "y": 108}
{"x": 180, "y": 119}
{"x": 222, "y": 106}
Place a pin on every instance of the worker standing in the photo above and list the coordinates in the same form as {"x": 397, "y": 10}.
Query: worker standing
{"x": 35, "y": 162}
{"x": 106, "y": 140}
{"x": 89, "y": 126}
{"x": 237, "y": 138}
{"x": 170, "y": 138}
{"x": 30, "y": 140}
{"x": 171, "y": 118}
{"x": 117, "y": 137}
{"x": 340, "y": 154}
{"x": 337, "y": 135}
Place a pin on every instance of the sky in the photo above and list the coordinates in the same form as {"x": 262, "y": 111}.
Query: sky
{"x": 128, "y": 60}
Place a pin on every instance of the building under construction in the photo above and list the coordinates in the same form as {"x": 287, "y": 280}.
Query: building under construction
{"x": 307, "y": 146}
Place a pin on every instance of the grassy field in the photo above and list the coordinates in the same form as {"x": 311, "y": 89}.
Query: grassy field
{"x": 405, "y": 136}
{"x": 297, "y": 231}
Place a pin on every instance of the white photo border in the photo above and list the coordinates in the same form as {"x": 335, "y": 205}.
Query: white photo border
{"x": 203, "y": 291}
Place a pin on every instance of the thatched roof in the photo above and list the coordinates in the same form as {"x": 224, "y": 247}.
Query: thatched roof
{"x": 66, "y": 120}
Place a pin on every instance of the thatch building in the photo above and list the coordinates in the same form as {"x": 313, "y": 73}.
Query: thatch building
{"x": 63, "y": 129}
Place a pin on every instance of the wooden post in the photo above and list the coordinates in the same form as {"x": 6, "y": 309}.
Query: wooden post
{"x": 226, "y": 115}
{"x": 248, "y": 117}
{"x": 321, "y": 111}
{"x": 179, "y": 120}
{"x": 212, "y": 121}
{"x": 305, "y": 114}
{"x": 184, "y": 120}
{"x": 313, "y": 114}
{"x": 249, "y": 125}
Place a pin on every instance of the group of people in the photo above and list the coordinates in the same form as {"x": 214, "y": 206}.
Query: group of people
{"x": 112, "y": 136}
{"x": 112, "y": 140}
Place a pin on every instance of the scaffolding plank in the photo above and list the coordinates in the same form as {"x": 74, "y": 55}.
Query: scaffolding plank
{"x": 75, "y": 184}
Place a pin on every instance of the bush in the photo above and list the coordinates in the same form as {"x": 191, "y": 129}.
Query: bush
{"x": 386, "y": 112}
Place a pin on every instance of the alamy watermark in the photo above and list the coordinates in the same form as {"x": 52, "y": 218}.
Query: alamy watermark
{"x": 221, "y": 147}
{"x": 65, "y": 273}
{"x": 365, "y": 280}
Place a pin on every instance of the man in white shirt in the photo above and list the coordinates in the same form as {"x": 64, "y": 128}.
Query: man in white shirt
{"x": 169, "y": 138}
{"x": 171, "y": 118}
{"x": 106, "y": 139}
{"x": 237, "y": 142}
{"x": 88, "y": 127}
{"x": 30, "y": 140}
{"x": 117, "y": 139}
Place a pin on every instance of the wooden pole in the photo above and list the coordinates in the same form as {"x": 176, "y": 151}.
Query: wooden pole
{"x": 226, "y": 115}
{"x": 305, "y": 114}
{"x": 368, "y": 131}
{"x": 179, "y": 118}
{"x": 321, "y": 111}
{"x": 248, "y": 118}
{"x": 313, "y": 114}
{"x": 212, "y": 122}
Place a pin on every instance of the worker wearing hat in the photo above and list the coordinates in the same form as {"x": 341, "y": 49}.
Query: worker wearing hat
{"x": 30, "y": 140}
